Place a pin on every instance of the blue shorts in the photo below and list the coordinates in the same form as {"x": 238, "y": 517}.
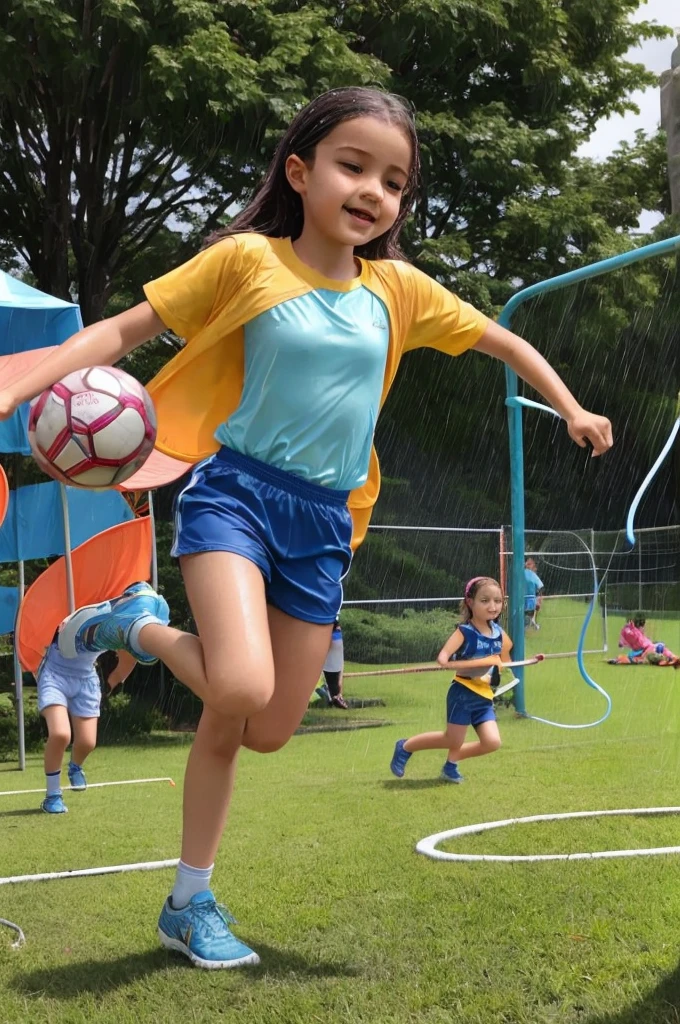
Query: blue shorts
{"x": 464, "y": 707}
{"x": 297, "y": 533}
{"x": 80, "y": 695}
{"x": 529, "y": 604}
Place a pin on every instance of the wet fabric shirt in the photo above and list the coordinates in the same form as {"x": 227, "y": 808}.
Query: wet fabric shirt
{"x": 314, "y": 369}
{"x": 219, "y": 301}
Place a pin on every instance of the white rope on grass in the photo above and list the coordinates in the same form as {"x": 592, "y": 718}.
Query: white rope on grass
{"x": 91, "y": 785}
{"x": 21, "y": 938}
{"x": 113, "y": 869}
{"x": 428, "y": 846}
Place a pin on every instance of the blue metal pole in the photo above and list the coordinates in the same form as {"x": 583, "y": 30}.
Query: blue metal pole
{"x": 516, "y": 574}
{"x": 516, "y": 577}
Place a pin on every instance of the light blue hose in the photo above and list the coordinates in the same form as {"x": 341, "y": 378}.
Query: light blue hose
{"x": 630, "y": 521}
{"x": 584, "y": 629}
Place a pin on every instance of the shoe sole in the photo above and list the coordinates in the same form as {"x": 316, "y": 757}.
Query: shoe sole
{"x": 45, "y": 810}
{"x": 456, "y": 782}
{"x": 77, "y": 789}
{"x": 210, "y": 965}
{"x": 66, "y": 638}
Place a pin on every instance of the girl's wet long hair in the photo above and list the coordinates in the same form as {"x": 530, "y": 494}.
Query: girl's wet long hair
{"x": 276, "y": 209}
{"x": 470, "y": 591}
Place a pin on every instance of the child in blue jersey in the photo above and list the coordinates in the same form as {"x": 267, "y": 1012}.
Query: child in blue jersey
{"x": 475, "y": 646}
{"x": 69, "y": 699}
{"x": 295, "y": 319}
{"x": 533, "y": 588}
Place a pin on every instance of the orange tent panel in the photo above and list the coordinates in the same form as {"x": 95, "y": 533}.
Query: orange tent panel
{"x": 102, "y": 568}
{"x": 4, "y": 495}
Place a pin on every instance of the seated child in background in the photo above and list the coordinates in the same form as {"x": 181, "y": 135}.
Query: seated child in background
{"x": 69, "y": 698}
{"x": 642, "y": 648}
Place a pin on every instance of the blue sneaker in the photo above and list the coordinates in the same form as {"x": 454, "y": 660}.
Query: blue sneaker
{"x": 399, "y": 759}
{"x": 114, "y": 625}
{"x": 323, "y": 694}
{"x": 54, "y": 804}
{"x": 201, "y": 931}
{"x": 450, "y": 772}
{"x": 76, "y": 777}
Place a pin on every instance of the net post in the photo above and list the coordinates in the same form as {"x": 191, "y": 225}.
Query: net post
{"x": 517, "y": 506}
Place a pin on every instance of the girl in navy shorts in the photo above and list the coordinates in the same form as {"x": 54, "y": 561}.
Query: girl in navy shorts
{"x": 295, "y": 318}
{"x": 476, "y": 646}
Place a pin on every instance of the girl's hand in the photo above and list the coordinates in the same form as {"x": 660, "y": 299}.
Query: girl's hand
{"x": 7, "y": 405}
{"x": 587, "y": 426}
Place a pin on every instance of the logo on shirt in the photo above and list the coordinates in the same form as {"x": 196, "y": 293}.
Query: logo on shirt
{"x": 380, "y": 324}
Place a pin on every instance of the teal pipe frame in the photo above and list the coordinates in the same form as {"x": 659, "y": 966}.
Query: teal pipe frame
{"x": 515, "y": 431}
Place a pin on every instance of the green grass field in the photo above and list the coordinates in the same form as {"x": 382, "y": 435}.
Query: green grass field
{"x": 319, "y": 866}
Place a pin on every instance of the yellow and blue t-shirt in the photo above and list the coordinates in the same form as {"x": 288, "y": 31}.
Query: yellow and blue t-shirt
{"x": 291, "y": 367}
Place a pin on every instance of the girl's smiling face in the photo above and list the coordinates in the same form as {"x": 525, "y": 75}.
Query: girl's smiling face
{"x": 352, "y": 189}
{"x": 487, "y": 604}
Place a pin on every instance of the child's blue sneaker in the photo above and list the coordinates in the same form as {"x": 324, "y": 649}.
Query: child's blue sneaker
{"x": 399, "y": 759}
{"x": 450, "y": 772}
{"x": 114, "y": 625}
{"x": 201, "y": 931}
{"x": 323, "y": 694}
{"x": 76, "y": 777}
{"x": 54, "y": 804}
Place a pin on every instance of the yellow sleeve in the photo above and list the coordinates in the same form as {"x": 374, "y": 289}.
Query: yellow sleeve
{"x": 438, "y": 318}
{"x": 193, "y": 294}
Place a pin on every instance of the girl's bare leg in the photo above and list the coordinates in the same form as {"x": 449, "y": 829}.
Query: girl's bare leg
{"x": 436, "y": 740}
{"x": 84, "y": 738}
{"x": 59, "y": 737}
{"x": 234, "y": 668}
{"x": 299, "y": 650}
{"x": 229, "y": 664}
{"x": 488, "y": 740}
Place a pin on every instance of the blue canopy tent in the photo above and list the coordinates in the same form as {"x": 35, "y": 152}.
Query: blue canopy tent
{"x": 29, "y": 321}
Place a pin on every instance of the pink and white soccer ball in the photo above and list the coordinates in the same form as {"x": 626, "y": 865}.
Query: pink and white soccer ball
{"x": 94, "y": 428}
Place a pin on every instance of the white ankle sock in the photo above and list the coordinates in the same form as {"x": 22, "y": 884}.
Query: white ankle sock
{"x": 53, "y": 780}
{"x": 188, "y": 882}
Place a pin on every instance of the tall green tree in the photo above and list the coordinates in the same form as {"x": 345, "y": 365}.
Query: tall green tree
{"x": 120, "y": 117}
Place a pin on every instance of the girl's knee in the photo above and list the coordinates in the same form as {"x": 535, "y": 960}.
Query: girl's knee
{"x": 239, "y": 694}
{"x": 264, "y": 742}
{"x": 492, "y": 745}
{"x": 59, "y": 738}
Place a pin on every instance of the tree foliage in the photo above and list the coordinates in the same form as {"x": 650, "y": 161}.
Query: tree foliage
{"x": 122, "y": 117}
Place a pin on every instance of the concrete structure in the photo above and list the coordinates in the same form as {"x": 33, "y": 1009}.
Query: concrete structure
{"x": 670, "y": 120}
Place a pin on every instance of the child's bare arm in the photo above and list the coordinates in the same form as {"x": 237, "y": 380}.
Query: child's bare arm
{"x": 453, "y": 644}
{"x": 103, "y": 343}
{"x": 125, "y": 665}
{"x": 529, "y": 364}
{"x": 507, "y": 646}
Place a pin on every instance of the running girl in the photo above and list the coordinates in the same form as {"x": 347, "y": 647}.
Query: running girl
{"x": 475, "y": 646}
{"x": 295, "y": 318}
{"x": 69, "y": 699}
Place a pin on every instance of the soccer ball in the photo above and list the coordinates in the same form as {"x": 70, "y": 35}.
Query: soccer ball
{"x": 94, "y": 428}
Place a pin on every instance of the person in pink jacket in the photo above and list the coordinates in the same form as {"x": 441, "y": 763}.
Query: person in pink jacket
{"x": 642, "y": 649}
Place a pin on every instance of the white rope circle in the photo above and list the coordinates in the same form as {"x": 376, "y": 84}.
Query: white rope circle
{"x": 428, "y": 846}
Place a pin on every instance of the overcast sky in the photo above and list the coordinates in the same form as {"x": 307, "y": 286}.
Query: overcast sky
{"x": 656, "y": 55}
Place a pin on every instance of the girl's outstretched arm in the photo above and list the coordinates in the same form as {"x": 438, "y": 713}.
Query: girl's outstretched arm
{"x": 535, "y": 370}
{"x": 100, "y": 344}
